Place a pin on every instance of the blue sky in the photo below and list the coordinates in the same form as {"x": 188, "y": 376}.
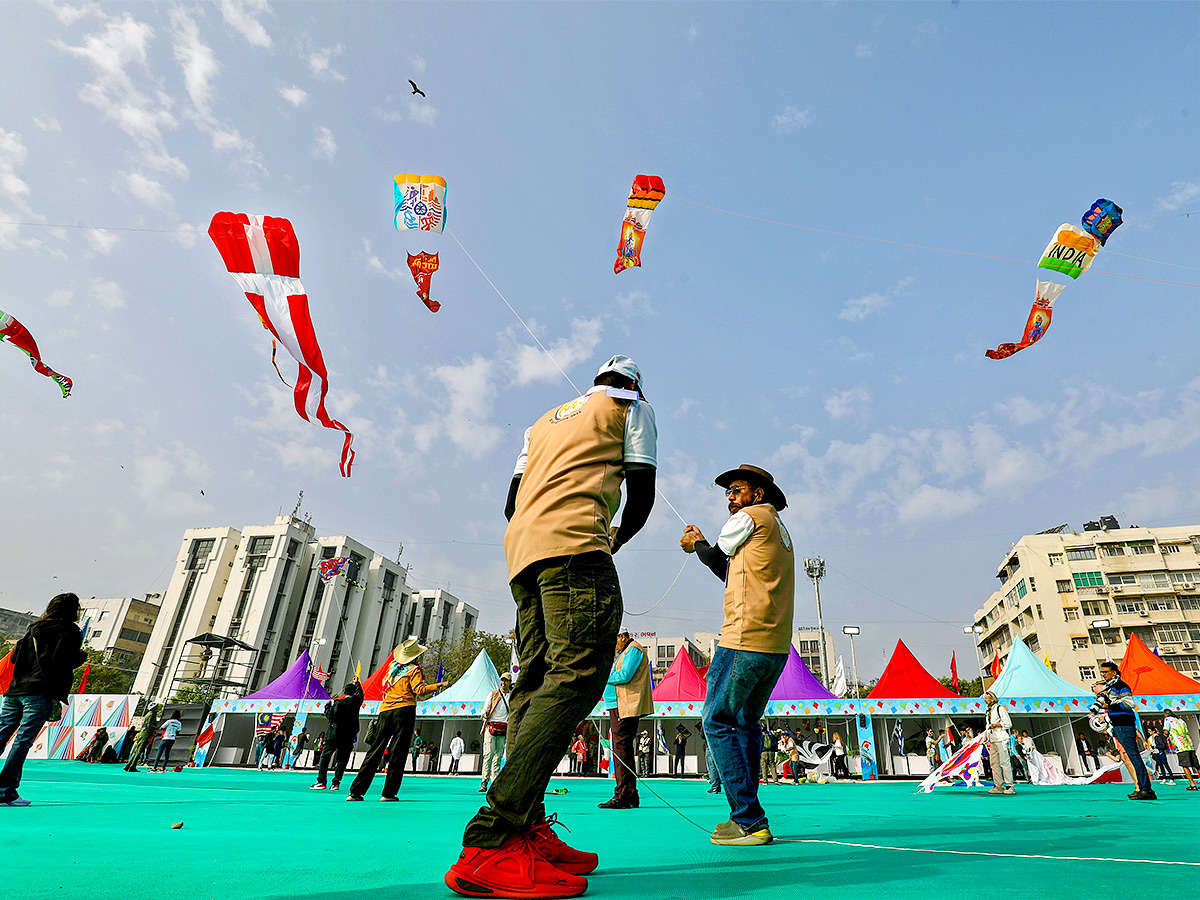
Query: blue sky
{"x": 853, "y": 369}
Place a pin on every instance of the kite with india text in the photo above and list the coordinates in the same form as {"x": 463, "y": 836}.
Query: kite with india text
{"x": 1038, "y": 322}
{"x": 1070, "y": 252}
{"x": 420, "y": 202}
{"x": 15, "y": 333}
{"x": 263, "y": 256}
{"x": 647, "y": 192}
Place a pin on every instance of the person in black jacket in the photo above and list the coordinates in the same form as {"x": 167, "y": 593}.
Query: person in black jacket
{"x": 44, "y": 662}
{"x": 342, "y": 714}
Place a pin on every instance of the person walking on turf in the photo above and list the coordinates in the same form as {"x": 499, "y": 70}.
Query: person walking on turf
{"x": 1117, "y": 699}
{"x": 627, "y": 698}
{"x": 565, "y": 491}
{"x": 403, "y": 684}
{"x": 999, "y": 727}
{"x": 1181, "y": 741}
{"x": 145, "y": 737}
{"x": 495, "y": 731}
{"x": 170, "y": 731}
{"x": 457, "y": 746}
{"x": 754, "y": 557}
{"x": 681, "y": 739}
{"x": 44, "y": 661}
{"x": 342, "y": 717}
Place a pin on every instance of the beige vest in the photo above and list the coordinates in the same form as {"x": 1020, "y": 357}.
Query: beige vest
{"x": 571, "y": 487}
{"x": 633, "y": 697}
{"x": 760, "y": 587}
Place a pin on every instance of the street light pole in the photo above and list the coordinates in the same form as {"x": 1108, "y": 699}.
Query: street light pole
{"x": 852, "y": 630}
{"x": 815, "y": 569}
{"x": 975, "y": 631}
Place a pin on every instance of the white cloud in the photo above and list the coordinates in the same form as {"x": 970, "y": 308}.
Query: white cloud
{"x": 841, "y": 404}
{"x": 421, "y": 112}
{"x": 69, "y": 15}
{"x": 196, "y": 59}
{"x": 862, "y": 51}
{"x": 858, "y": 308}
{"x": 49, "y": 123}
{"x": 1183, "y": 193}
{"x": 242, "y": 16}
{"x": 791, "y": 120}
{"x": 294, "y": 95}
{"x": 155, "y": 480}
{"x": 1022, "y": 411}
{"x": 143, "y": 111}
{"x": 929, "y": 502}
{"x": 471, "y": 391}
{"x": 108, "y": 294}
{"x": 319, "y": 64}
{"x": 61, "y": 297}
{"x": 187, "y": 234}
{"x": 101, "y": 240}
{"x": 147, "y": 190}
{"x": 12, "y": 157}
{"x": 324, "y": 146}
{"x": 690, "y": 33}
{"x": 418, "y": 65}
{"x": 529, "y": 363}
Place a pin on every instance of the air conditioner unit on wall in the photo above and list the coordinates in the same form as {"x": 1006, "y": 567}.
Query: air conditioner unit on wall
{"x": 1187, "y": 646}
{"x": 1101, "y": 590}
{"x": 1143, "y": 614}
{"x": 1117, "y": 589}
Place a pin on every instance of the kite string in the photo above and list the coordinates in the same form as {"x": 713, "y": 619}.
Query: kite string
{"x": 877, "y": 240}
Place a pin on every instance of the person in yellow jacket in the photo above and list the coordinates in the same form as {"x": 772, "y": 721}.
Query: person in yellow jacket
{"x": 627, "y": 698}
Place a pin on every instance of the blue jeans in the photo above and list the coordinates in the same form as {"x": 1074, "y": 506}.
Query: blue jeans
{"x": 24, "y": 717}
{"x": 1127, "y": 736}
{"x": 739, "y": 684}
{"x": 164, "y": 753}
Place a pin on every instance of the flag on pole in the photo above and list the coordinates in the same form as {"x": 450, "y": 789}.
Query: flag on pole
{"x": 441, "y": 673}
{"x": 839, "y": 679}
{"x": 953, "y": 674}
{"x": 83, "y": 681}
{"x": 994, "y": 669}
{"x": 1046, "y": 660}
{"x": 514, "y": 665}
{"x": 265, "y": 723}
{"x": 319, "y": 674}
{"x": 898, "y": 734}
{"x": 84, "y": 629}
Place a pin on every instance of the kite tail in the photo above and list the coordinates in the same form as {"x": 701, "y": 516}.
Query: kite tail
{"x": 276, "y": 365}
{"x": 347, "y": 451}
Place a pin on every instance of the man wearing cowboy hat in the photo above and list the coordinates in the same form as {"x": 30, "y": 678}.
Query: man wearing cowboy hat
{"x": 754, "y": 557}
{"x": 495, "y": 727}
{"x": 565, "y": 492}
{"x": 403, "y": 685}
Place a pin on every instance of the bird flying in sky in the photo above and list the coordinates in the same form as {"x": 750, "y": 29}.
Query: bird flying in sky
{"x": 416, "y": 90}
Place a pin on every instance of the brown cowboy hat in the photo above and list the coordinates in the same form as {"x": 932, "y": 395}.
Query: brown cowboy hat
{"x": 758, "y": 478}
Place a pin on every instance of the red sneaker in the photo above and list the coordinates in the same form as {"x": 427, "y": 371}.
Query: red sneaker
{"x": 557, "y": 852}
{"x": 514, "y": 869}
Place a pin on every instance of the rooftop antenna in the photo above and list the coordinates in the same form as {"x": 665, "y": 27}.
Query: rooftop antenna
{"x": 299, "y": 500}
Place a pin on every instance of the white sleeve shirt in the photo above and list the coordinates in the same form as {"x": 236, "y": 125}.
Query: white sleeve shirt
{"x": 736, "y": 531}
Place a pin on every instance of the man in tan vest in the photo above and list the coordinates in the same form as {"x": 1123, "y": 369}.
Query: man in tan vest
{"x": 565, "y": 491}
{"x": 754, "y": 557}
{"x": 627, "y": 698}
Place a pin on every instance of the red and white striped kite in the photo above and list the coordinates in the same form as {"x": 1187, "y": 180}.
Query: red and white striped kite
{"x": 263, "y": 256}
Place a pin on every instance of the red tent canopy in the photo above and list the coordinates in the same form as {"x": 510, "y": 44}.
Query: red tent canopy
{"x": 373, "y": 686}
{"x": 6, "y": 672}
{"x": 1145, "y": 673}
{"x": 682, "y": 681}
{"x": 904, "y": 677}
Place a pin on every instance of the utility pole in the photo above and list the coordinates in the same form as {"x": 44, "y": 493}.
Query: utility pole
{"x": 815, "y": 569}
{"x": 852, "y": 630}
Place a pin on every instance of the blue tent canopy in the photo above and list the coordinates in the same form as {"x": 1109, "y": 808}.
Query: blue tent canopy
{"x": 1025, "y": 675}
{"x": 477, "y": 683}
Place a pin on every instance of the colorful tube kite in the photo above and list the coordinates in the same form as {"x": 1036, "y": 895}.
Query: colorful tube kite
{"x": 421, "y": 206}
{"x": 1070, "y": 252}
{"x": 647, "y": 192}
{"x": 263, "y": 256}
{"x": 15, "y": 333}
{"x": 1102, "y": 219}
{"x": 1038, "y": 322}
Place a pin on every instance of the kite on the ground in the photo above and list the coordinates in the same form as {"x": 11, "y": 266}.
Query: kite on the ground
{"x": 420, "y": 202}
{"x": 1070, "y": 252}
{"x": 263, "y": 256}
{"x": 1037, "y": 323}
{"x": 16, "y": 334}
{"x": 647, "y": 192}
{"x": 1102, "y": 219}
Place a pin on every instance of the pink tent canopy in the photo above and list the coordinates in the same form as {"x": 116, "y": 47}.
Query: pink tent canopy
{"x": 682, "y": 681}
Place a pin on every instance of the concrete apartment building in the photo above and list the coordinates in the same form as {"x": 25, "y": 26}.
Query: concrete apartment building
{"x": 15, "y": 623}
{"x": 1076, "y": 597}
{"x": 121, "y": 627}
{"x": 260, "y": 586}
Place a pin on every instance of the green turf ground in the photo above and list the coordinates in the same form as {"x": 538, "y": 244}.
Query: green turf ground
{"x": 97, "y": 832}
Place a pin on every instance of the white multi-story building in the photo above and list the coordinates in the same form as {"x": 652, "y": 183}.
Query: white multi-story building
{"x": 121, "y": 627}
{"x": 1076, "y": 597}
{"x": 260, "y": 586}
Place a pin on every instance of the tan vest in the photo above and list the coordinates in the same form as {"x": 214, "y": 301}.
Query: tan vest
{"x": 760, "y": 587}
{"x": 571, "y": 487}
{"x": 633, "y": 697}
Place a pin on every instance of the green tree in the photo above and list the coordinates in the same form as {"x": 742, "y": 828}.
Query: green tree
{"x": 966, "y": 687}
{"x": 196, "y": 693}
{"x": 104, "y": 677}
{"x": 456, "y": 656}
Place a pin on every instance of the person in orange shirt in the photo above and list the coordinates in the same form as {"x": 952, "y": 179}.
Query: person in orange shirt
{"x": 403, "y": 685}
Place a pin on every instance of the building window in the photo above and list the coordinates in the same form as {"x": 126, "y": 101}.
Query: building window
{"x": 1187, "y": 664}
{"x": 1184, "y": 577}
{"x": 1189, "y": 602}
{"x": 1071, "y": 615}
{"x": 1095, "y": 607}
{"x": 103, "y": 614}
{"x": 1064, "y": 586}
{"x": 1112, "y": 550}
{"x": 1141, "y": 548}
{"x": 1056, "y": 559}
{"x": 1158, "y": 604}
{"x": 1154, "y": 580}
{"x": 1130, "y": 607}
{"x": 1033, "y": 643}
{"x": 1087, "y": 673}
{"x": 1170, "y": 548}
{"x": 1079, "y": 643}
{"x": 1171, "y": 634}
{"x": 1122, "y": 579}
{"x": 1082, "y": 553}
{"x": 1088, "y": 579}
{"x": 1032, "y": 584}
{"x": 1038, "y": 608}
{"x": 1021, "y": 590}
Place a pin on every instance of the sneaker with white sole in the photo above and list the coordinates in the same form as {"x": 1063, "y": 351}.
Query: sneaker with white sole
{"x": 731, "y": 834}
{"x": 316, "y": 787}
{"x": 15, "y": 801}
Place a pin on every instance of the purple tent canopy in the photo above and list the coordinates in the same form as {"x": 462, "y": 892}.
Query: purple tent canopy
{"x": 796, "y": 682}
{"x": 297, "y": 683}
